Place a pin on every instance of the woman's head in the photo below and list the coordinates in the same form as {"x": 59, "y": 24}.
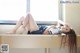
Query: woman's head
{"x": 65, "y": 29}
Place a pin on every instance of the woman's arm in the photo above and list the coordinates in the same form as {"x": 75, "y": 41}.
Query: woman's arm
{"x": 46, "y": 31}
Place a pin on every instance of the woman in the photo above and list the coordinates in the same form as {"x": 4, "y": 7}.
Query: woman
{"x": 29, "y": 26}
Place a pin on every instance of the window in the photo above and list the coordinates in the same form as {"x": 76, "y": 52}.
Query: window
{"x": 12, "y": 9}
{"x": 44, "y": 10}
{"x": 41, "y": 10}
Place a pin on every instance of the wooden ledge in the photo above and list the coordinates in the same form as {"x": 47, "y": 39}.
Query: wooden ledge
{"x": 32, "y": 41}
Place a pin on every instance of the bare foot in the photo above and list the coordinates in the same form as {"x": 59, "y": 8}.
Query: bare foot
{"x": 10, "y": 32}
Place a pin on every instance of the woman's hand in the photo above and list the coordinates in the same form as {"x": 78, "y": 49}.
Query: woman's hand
{"x": 52, "y": 26}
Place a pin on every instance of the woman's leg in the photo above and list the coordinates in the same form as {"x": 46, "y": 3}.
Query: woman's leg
{"x": 24, "y": 28}
{"x": 25, "y": 21}
{"x": 30, "y": 24}
{"x": 18, "y": 24}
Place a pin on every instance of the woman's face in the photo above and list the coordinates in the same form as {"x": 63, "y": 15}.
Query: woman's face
{"x": 65, "y": 28}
